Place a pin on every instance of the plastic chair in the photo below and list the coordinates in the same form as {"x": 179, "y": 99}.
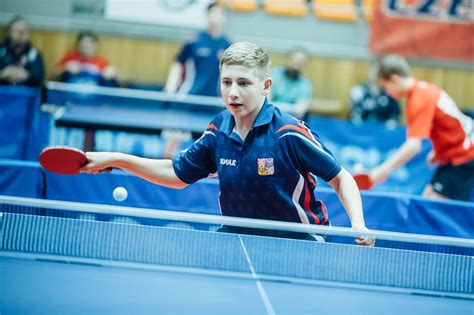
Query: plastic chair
{"x": 368, "y": 7}
{"x": 293, "y": 8}
{"x": 337, "y": 10}
{"x": 240, "y": 5}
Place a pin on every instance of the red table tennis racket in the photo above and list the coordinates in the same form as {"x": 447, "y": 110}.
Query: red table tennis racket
{"x": 363, "y": 181}
{"x": 62, "y": 160}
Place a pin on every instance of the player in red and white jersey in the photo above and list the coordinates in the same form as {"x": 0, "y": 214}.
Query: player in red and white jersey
{"x": 431, "y": 114}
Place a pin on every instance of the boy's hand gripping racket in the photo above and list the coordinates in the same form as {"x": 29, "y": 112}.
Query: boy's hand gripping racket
{"x": 62, "y": 160}
{"x": 363, "y": 181}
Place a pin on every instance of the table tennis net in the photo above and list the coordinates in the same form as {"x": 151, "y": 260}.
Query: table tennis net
{"x": 193, "y": 241}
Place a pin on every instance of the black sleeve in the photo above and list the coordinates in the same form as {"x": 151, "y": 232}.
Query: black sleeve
{"x": 36, "y": 71}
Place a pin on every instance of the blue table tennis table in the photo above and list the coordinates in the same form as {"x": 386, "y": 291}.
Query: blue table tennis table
{"x": 53, "y": 265}
{"x": 140, "y": 119}
{"x": 54, "y": 286}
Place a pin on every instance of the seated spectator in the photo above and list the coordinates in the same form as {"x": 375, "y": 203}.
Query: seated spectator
{"x": 369, "y": 102}
{"x": 20, "y": 63}
{"x": 289, "y": 85}
{"x": 82, "y": 65}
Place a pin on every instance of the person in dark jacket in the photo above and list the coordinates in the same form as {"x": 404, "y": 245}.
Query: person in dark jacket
{"x": 20, "y": 63}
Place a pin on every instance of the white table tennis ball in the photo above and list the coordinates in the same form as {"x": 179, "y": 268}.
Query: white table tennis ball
{"x": 358, "y": 168}
{"x": 120, "y": 194}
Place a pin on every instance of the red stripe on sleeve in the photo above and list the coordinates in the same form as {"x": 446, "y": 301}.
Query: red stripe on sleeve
{"x": 212, "y": 126}
{"x": 307, "y": 200}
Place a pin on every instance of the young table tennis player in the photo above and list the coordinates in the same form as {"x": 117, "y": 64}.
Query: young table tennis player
{"x": 431, "y": 114}
{"x": 266, "y": 160}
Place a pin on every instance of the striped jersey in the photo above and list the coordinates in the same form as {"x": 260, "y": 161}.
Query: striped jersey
{"x": 90, "y": 68}
{"x": 432, "y": 114}
{"x": 271, "y": 175}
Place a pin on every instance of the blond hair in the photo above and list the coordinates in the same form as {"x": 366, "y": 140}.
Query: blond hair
{"x": 249, "y": 55}
{"x": 392, "y": 64}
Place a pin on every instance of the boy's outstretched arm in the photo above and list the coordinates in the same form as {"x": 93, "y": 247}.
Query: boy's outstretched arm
{"x": 349, "y": 195}
{"x": 405, "y": 153}
{"x": 160, "y": 172}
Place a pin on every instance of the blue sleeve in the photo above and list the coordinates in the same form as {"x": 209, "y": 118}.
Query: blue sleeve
{"x": 186, "y": 52}
{"x": 308, "y": 154}
{"x": 198, "y": 161}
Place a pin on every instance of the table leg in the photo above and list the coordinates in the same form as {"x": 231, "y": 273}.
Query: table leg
{"x": 89, "y": 142}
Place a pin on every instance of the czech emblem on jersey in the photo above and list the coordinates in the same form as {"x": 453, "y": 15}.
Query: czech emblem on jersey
{"x": 265, "y": 166}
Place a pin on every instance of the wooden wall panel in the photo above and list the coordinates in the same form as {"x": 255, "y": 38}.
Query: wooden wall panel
{"x": 458, "y": 84}
{"x": 53, "y": 45}
{"x": 148, "y": 61}
{"x": 136, "y": 60}
{"x": 139, "y": 60}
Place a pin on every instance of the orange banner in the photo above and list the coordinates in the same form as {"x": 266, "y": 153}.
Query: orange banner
{"x": 434, "y": 29}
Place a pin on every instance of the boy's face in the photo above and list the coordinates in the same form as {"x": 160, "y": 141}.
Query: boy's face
{"x": 243, "y": 91}
{"x": 393, "y": 86}
{"x": 87, "y": 46}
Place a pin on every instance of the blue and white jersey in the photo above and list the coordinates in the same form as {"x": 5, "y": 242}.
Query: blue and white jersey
{"x": 271, "y": 175}
{"x": 200, "y": 58}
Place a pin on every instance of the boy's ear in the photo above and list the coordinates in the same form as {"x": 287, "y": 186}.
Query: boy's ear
{"x": 267, "y": 84}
